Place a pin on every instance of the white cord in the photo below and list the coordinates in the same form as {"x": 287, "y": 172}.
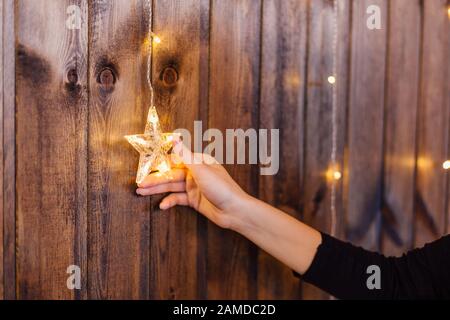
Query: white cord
{"x": 334, "y": 124}
{"x": 149, "y": 53}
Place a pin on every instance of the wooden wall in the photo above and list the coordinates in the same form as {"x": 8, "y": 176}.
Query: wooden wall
{"x": 69, "y": 96}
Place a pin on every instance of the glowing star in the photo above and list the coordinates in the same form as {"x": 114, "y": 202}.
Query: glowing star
{"x": 153, "y": 146}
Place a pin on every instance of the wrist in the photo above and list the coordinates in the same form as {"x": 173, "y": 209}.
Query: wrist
{"x": 241, "y": 217}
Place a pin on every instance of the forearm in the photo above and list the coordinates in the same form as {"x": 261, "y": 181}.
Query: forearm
{"x": 282, "y": 236}
{"x": 340, "y": 268}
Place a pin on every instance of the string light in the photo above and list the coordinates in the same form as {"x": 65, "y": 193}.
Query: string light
{"x": 156, "y": 39}
{"x": 335, "y": 174}
{"x": 149, "y": 53}
{"x": 153, "y": 116}
{"x": 163, "y": 167}
{"x": 446, "y": 165}
{"x": 153, "y": 145}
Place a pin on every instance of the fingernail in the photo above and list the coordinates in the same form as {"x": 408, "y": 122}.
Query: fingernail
{"x": 138, "y": 191}
{"x": 163, "y": 206}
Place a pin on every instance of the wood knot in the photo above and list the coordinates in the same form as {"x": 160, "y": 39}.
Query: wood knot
{"x": 72, "y": 81}
{"x": 169, "y": 77}
{"x": 106, "y": 78}
{"x": 72, "y": 76}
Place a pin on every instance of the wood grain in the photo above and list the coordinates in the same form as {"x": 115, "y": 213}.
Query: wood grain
{"x": 119, "y": 226}
{"x": 400, "y": 125}
{"x": 233, "y": 103}
{"x": 318, "y": 122}
{"x": 51, "y": 149}
{"x": 68, "y": 97}
{"x": 434, "y": 122}
{"x": 2, "y": 279}
{"x": 363, "y": 180}
{"x": 9, "y": 149}
{"x": 281, "y": 107}
{"x": 176, "y": 246}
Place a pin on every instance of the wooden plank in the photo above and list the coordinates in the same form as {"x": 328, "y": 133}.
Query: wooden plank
{"x": 9, "y": 161}
{"x": 179, "y": 75}
{"x": 1, "y": 152}
{"x": 318, "y": 140}
{"x": 434, "y": 123}
{"x": 282, "y": 87}
{"x": 233, "y": 103}
{"x": 119, "y": 226}
{"x": 401, "y": 116}
{"x": 51, "y": 149}
{"x": 365, "y": 127}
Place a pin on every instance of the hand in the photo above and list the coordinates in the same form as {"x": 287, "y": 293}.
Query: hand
{"x": 200, "y": 182}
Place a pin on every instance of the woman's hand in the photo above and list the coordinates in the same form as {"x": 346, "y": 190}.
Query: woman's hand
{"x": 198, "y": 181}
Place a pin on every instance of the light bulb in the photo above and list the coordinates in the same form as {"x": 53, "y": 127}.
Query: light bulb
{"x": 446, "y": 165}
{"x": 156, "y": 39}
{"x": 163, "y": 167}
{"x": 153, "y": 117}
{"x": 333, "y": 174}
{"x": 337, "y": 175}
{"x": 331, "y": 79}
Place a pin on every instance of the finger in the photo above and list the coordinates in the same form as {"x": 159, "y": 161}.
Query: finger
{"x": 174, "y": 199}
{"x": 156, "y": 178}
{"x": 162, "y": 188}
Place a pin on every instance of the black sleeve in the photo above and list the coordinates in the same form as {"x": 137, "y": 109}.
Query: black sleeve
{"x": 340, "y": 269}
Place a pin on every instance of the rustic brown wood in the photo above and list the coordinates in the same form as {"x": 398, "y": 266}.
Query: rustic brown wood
{"x": 119, "y": 226}
{"x": 203, "y": 101}
{"x": 403, "y": 67}
{"x": 434, "y": 119}
{"x": 318, "y": 122}
{"x": 233, "y": 103}
{"x": 51, "y": 150}
{"x": 281, "y": 107}
{"x": 8, "y": 159}
{"x": 255, "y": 64}
{"x": 365, "y": 127}
{"x": 178, "y": 75}
{"x": 1, "y": 152}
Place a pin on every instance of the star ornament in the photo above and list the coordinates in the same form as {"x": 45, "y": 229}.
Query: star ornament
{"x": 153, "y": 147}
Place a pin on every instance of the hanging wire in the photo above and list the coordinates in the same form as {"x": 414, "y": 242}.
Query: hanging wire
{"x": 149, "y": 53}
{"x": 334, "y": 129}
